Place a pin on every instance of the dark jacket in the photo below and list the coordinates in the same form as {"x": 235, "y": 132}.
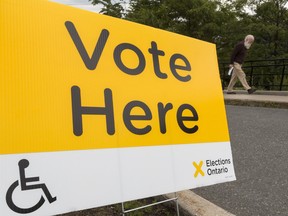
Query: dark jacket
{"x": 238, "y": 53}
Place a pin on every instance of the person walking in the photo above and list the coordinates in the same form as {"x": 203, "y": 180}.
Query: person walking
{"x": 236, "y": 61}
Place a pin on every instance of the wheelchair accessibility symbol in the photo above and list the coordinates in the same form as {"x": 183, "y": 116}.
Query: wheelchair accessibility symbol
{"x": 23, "y": 164}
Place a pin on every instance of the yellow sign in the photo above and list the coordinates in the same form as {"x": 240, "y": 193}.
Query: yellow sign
{"x": 74, "y": 80}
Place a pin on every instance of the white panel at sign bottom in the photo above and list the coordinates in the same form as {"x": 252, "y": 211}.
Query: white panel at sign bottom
{"x": 94, "y": 178}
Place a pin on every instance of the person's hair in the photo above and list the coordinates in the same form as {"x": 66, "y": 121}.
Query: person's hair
{"x": 249, "y": 38}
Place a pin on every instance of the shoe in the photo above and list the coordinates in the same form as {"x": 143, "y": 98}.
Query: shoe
{"x": 231, "y": 92}
{"x": 251, "y": 91}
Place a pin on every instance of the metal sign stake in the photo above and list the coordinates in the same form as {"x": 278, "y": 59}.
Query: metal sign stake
{"x": 175, "y": 199}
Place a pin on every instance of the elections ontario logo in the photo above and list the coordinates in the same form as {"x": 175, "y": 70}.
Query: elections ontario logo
{"x": 211, "y": 167}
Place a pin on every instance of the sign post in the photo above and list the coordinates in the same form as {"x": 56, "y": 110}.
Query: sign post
{"x": 95, "y": 113}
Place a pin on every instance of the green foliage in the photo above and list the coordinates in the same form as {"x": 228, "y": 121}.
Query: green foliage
{"x": 192, "y": 18}
{"x": 149, "y": 12}
{"x": 109, "y": 8}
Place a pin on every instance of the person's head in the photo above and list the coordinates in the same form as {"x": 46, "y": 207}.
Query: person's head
{"x": 248, "y": 41}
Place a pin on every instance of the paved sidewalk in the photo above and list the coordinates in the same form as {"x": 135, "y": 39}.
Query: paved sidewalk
{"x": 275, "y": 99}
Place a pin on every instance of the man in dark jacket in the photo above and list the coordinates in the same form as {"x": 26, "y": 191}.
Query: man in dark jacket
{"x": 236, "y": 61}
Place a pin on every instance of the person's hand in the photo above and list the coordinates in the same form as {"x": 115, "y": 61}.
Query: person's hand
{"x": 230, "y": 65}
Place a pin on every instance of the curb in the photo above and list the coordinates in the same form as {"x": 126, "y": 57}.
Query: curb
{"x": 270, "y": 99}
{"x": 253, "y": 103}
{"x": 261, "y": 92}
{"x": 196, "y": 205}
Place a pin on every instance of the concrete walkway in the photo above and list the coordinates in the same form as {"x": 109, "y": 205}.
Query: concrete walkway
{"x": 275, "y": 99}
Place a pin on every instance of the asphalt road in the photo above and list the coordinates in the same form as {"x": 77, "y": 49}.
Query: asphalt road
{"x": 259, "y": 141}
